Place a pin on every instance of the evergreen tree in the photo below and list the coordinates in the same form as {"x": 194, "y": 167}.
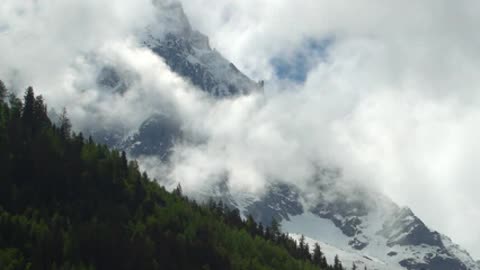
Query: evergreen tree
{"x": 178, "y": 190}
{"x": 65, "y": 125}
{"x": 251, "y": 225}
{"x": 317, "y": 255}
{"x": 337, "y": 264}
{"x": 124, "y": 164}
{"x": 28, "y": 107}
{"x": 16, "y": 108}
{"x": 275, "y": 228}
{"x": 3, "y": 92}
{"x": 40, "y": 115}
{"x": 261, "y": 230}
{"x": 304, "y": 249}
{"x": 354, "y": 266}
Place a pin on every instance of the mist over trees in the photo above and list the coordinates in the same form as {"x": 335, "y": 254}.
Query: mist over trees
{"x": 69, "y": 203}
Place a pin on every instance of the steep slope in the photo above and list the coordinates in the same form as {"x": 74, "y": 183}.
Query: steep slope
{"x": 354, "y": 220}
{"x": 365, "y": 223}
{"x": 189, "y": 54}
{"x": 69, "y": 203}
{"x": 349, "y": 257}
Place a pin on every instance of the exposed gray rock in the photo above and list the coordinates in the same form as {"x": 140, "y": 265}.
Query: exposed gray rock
{"x": 188, "y": 53}
{"x": 434, "y": 263}
{"x": 155, "y": 137}
{"x": 407, "y": 229}
{"x": 279, "y": 203}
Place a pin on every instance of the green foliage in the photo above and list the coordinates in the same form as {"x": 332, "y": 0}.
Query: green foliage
{"x": 68, "y": 203}
{"x": 3, "y": 92}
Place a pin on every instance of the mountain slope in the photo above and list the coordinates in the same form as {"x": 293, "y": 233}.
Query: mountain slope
{"x": 366, "y": 223}
{"x": 189, "y": 54}
{"x": 68, "y": 203}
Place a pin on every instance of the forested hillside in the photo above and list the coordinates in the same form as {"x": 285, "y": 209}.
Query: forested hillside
{"x": 69, "y": 203}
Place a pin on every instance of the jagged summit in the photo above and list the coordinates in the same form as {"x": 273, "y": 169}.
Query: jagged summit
{"x": 367, "y": 229}
{"x": 169, "y": 18}
{"x": 188, "y": 53}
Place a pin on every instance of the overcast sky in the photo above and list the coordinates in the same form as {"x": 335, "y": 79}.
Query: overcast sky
{"x": 388, "y": 90}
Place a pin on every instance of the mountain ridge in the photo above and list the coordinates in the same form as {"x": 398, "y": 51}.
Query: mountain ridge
{"x": 400, "y": 239}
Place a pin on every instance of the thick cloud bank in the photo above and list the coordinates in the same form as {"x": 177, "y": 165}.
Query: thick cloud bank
{"x": 405, "y": 74}
{"x": 392, "y": 99}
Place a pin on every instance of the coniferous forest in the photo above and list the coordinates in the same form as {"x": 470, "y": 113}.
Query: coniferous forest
{"x": 69, "y": 203}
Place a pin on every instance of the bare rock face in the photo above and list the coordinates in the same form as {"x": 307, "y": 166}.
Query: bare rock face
{"x": 155, "y": 137}
{"x": 188, "y": 53}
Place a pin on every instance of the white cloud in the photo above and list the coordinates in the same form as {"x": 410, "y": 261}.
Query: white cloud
{"x": 399, "y": 90}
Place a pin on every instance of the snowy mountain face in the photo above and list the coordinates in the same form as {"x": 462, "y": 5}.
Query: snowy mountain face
{"x": 369, "y": 229}
{"x": 361, "y": 226}
{"x": 188, "y": 53}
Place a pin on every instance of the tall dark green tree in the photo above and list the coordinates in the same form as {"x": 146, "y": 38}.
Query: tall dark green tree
{"x": 40, "y": 114}
{"x": 16, "y": 108}
{"x": 65, "y": 125}
{"x": 275, "y": 228}
{"x": 3, "y": 91}
{"x": 28, "y": 107}
{"x": 337, "y": 264}
{"x": 318, "y": 258}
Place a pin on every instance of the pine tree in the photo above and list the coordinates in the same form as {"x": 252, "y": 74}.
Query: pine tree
{"x": 124, "y": 164}
{"x": 324, "y": 263}
{"x": 301, "y": 243}
{"x": 251, "y": 225}
{"x": 3, "y": 92}
{"x": 275, "y": 229}
{"x": 337, "y": 264}
{"x": 261, "y": 230}
{"x": 317, "y": 255}
{"x": 16, "y": 106}
{"x": 354, "y": 266}
{"x": 28, "y": 107}
{"x": 304, "y": 250}
{"x": 178, "y": 190}
{"x": 65, "y": 125}
{"x": 40, "y": 116}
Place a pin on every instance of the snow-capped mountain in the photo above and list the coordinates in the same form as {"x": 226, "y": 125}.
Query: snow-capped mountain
{"x": 359, "y": 225}
{"x": 189, "y": 54}
{"x": 364, "y": 226}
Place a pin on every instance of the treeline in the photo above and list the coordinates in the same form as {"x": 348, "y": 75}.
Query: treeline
{"x": 69, "y": 203}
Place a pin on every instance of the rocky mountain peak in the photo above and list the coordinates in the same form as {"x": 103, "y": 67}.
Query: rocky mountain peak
{"x": 188, "y": 53}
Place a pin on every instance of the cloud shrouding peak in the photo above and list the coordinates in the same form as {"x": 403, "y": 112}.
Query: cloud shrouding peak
{"x": 405, "y": 75}
{"x": 392, "y": 99}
